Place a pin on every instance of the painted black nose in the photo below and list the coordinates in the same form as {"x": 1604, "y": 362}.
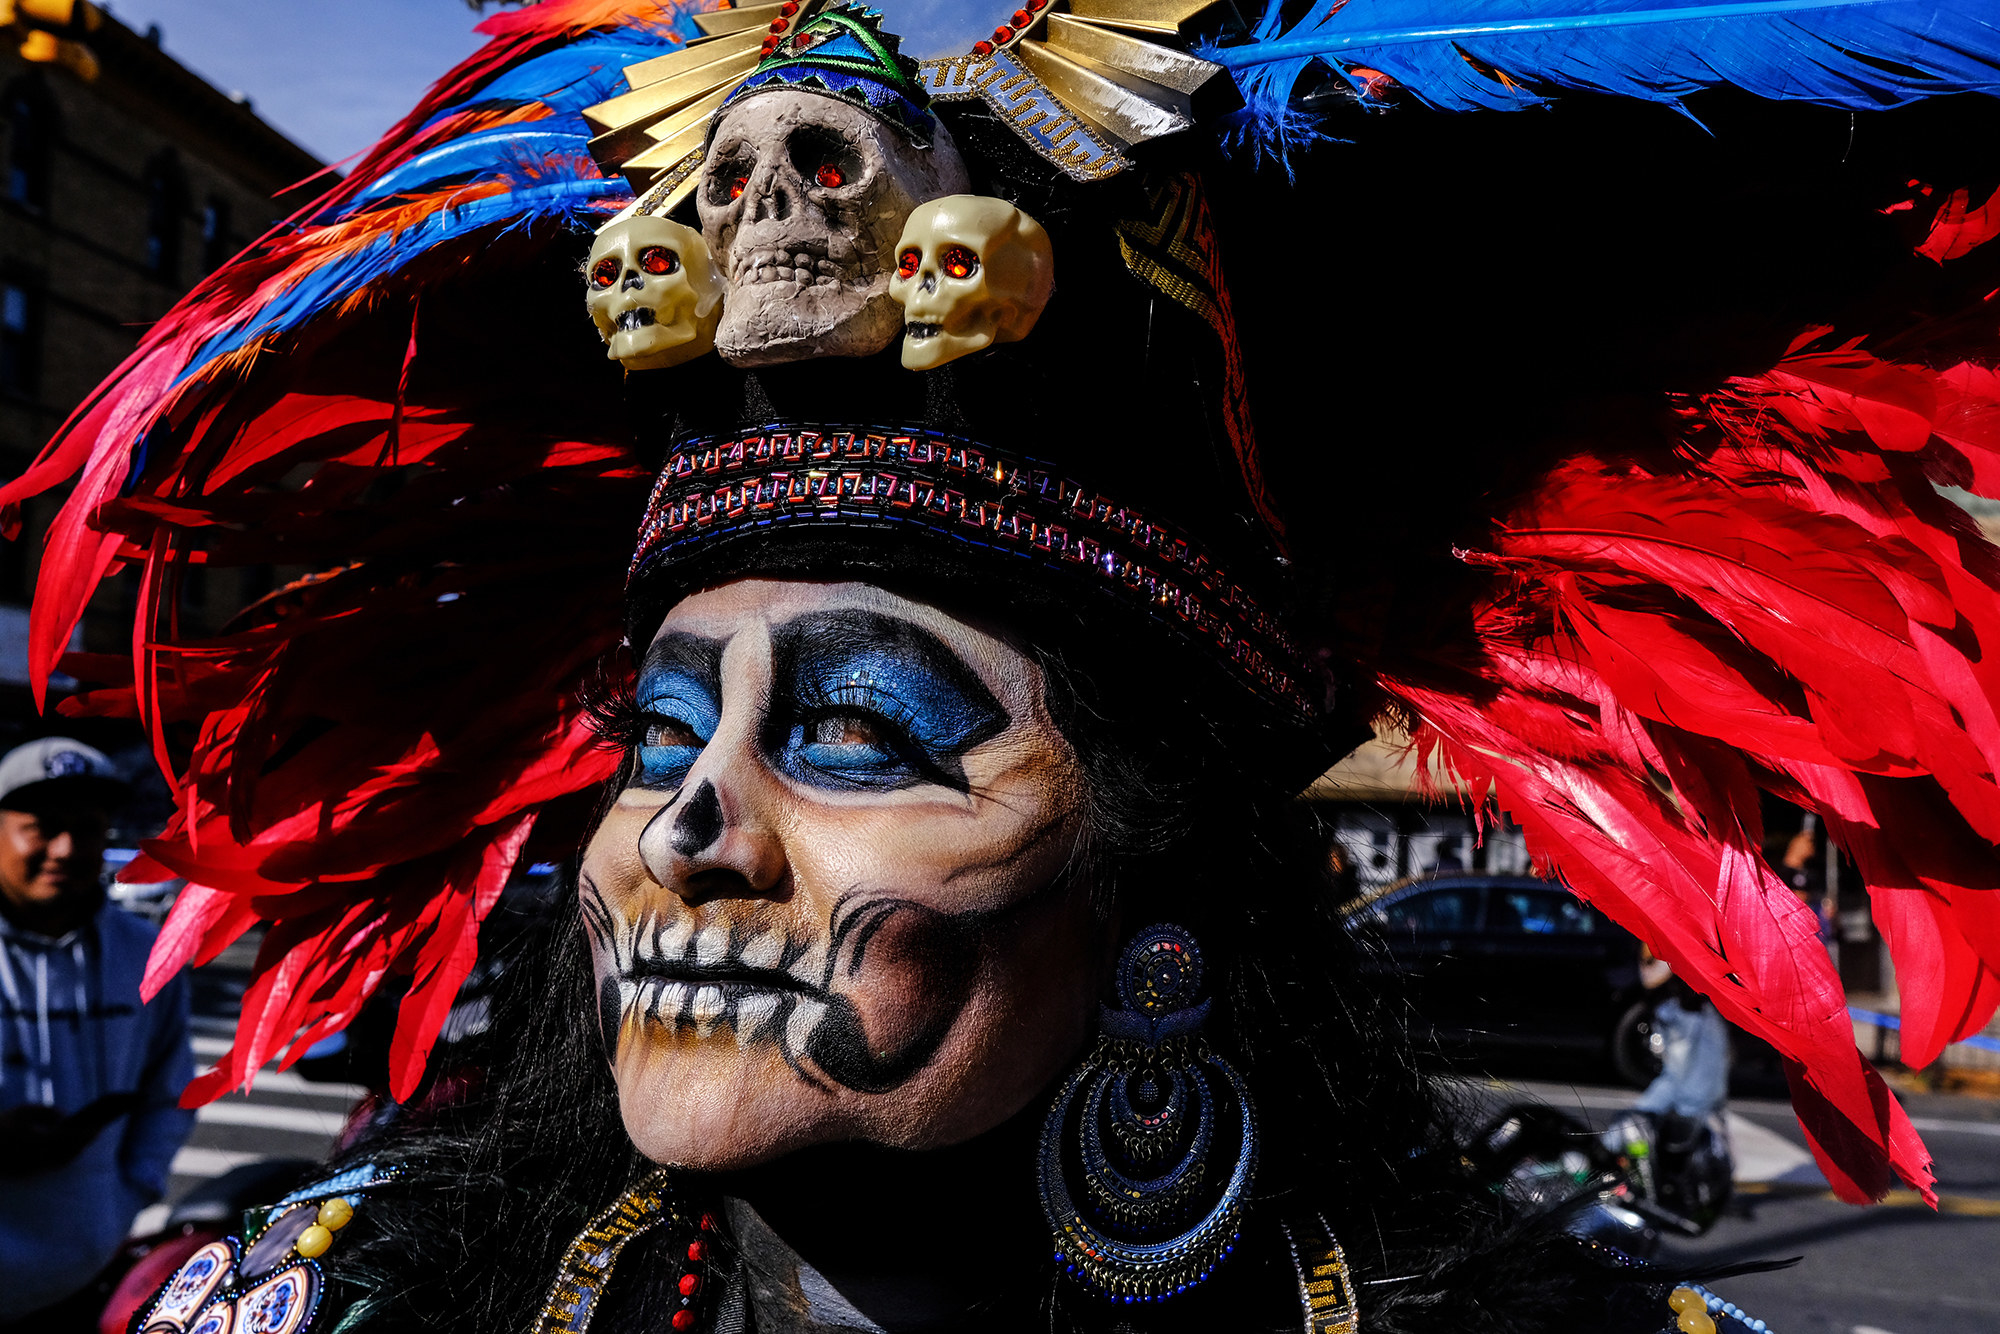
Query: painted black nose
{"x": 634, "y": 280}
{"x": 699, "y": 823}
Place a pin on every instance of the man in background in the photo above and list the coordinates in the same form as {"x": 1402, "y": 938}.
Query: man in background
{"x": 90, "y": 1078}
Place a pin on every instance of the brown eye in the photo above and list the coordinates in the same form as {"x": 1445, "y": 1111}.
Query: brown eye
{"x": 657, "y": 259}
{"x": 671, "y": 732}
{"x": 830, "y": 176}
{"x": 847, "y": 729}
{"x": 908, "y": 263}
{"x": 958, "y": 262}
{"x": 604, "y": 273}
{"x": 738, "y": 186}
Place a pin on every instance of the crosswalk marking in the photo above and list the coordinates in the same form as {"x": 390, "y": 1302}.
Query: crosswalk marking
{"x": 194, "y": 1162}
{"x": 1935, "y": 1125}
{"x": 304, "y": 1120}
{"x": 286, "y": 1081}
{"x": 280, "y": 1081}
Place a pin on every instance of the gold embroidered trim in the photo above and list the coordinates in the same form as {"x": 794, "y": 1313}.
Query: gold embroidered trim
{"x": 1326, "y": 1286}
{"x": 587, "y": 1264}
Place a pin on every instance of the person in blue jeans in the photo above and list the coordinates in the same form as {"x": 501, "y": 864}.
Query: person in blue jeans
{"x": 90, "y": 1076}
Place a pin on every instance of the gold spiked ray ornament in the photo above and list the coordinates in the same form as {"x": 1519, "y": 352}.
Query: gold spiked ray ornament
{"x": 740, "y": 18}
{"x": 1082, "y": 82}
{"x": 1166, "y": 17}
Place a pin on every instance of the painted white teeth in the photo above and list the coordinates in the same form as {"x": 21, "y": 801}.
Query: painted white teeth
{"x": 628, "y": 996}
{"x": 806, "y": 968}
{"x": 707, "y": 1008}
{"x": 764, "y": 951}
{"x": 672, "y": 1002}
{"x": 673, "y": 942}
{"x": 752, "y": 1013}
{"x": 806, "y": 1017}
{"x": 710, "y": 946}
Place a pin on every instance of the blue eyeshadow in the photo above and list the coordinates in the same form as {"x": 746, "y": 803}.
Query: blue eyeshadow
{"x": 678, "y": 684}
{"x": 903, "y": 707}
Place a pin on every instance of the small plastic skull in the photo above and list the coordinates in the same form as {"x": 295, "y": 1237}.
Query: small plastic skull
{"x": 970, "y": 272}
{"x": 654, "y": 293}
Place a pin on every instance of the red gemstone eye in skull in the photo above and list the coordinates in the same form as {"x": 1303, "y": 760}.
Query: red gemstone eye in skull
{"x": 605, "y": 272}
{"x": 657, "y": 259}
{"x": 738, "y": 186}
{"x": 972, "y": 271}
{"x": 957, "y": 261}
{"x": 830, "y": 176}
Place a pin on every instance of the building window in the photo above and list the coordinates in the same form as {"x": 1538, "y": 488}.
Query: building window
{"x": 216, "y": 247}
{"x": 20, "y": 337}
{"x": 166, "y": 201}
{"x": 30, "y": 142}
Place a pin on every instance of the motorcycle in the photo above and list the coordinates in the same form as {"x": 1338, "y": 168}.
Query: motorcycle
{"x": 1643, "y": 1178}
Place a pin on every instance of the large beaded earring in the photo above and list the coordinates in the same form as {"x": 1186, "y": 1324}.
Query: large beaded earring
{"x": 1138, "y": 1130}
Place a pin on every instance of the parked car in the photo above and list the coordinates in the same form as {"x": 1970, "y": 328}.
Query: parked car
{"x": 1508, "y": 962}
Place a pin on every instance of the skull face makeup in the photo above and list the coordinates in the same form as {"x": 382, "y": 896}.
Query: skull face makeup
{"x": 830, "y": 905}
{"x": 970, "y": 272}
{"x": 801, "y": 199}
{"x": 654, "y": 293}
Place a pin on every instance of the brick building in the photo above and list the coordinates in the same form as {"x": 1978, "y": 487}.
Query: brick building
{"x": 117, "y": 195}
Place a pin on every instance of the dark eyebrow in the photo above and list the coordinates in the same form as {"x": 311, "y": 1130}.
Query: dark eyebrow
{"x": 817, "y": 638}
{"x": 698, "y": 657}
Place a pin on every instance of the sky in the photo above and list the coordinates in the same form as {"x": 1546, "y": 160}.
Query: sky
{"x": 331, "y": 74}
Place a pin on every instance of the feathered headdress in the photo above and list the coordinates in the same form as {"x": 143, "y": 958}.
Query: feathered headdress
{"x": 384, "y": 392}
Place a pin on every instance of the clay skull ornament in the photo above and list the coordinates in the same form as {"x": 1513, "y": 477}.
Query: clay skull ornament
{"x": 971, "y": 271}
{"x": 653, "y": 292}
{"x": 802, "y": 200}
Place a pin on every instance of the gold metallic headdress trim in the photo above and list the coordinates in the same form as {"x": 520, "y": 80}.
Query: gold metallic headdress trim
{"x": 1082, "y": 87}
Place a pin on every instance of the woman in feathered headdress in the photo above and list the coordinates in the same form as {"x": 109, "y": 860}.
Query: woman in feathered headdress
{"x": 945, "y": 949}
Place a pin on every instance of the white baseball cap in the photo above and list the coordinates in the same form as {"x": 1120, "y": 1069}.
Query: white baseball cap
{"x": 31, "y": 772}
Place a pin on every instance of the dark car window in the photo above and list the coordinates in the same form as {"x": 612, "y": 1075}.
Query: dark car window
{"x": 1539, "y": 912}
{"x": 1440, "y": 910}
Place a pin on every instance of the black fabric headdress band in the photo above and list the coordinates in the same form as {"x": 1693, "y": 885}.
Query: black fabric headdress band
{"x": 934, "y": 485}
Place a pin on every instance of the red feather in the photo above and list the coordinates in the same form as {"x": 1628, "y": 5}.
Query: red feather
{"x": 360, "y": 758}
{"x": 1789, "y": 605}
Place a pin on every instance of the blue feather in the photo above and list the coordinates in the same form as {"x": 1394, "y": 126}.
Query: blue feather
{"x": 542, "y": 162}
{"x": 565, "y": 80}
{"x": 1504, "y": 55}
{"x": 561, "y": 198}
{"x": 578, "y": 74}
{"x": 472, "y": 158}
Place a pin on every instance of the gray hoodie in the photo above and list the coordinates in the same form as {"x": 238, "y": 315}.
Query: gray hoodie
{"x": 72, "y": 1030}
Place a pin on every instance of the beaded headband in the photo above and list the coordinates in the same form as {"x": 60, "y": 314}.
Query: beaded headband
{"x": 714, "y": 487}
{"x": 843, "y": 52}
